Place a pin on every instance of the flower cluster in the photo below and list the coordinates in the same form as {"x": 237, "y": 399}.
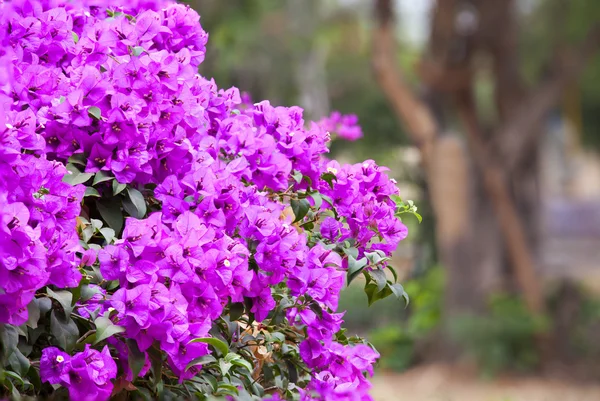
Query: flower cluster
{"x": 38, "y": 241}
{"x": 87, "y": 374}
{"x": 103, "y": 116}
{"x": 344, "y": 125}
{"x": 361, "y": 194}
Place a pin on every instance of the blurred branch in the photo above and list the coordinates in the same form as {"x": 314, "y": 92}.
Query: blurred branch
{"x": 420, "y": 123}
{"x": 519, "y": 135}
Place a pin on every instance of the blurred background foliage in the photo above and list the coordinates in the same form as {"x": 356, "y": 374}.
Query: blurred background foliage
{"x": 317, "y": 53}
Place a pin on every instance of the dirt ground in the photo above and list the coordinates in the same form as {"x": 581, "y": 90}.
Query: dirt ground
{"x": 446, "y": 383}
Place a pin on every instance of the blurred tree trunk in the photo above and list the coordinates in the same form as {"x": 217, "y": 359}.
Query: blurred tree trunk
{"x": 485, "y": 199}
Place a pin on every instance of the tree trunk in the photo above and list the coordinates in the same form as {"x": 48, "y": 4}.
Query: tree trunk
{"x": 469, "y": 252}
{"x": 475, "y": 231}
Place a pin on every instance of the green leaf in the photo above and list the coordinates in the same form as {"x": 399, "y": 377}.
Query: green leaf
{"x": 22, "y": 330}
{"x": 17, "y": 377}
{"x": 117, "y": 187}
{"x": 64, "y": 298}
{"x": 134, "y": 203}
{"x": 89, "y": 191}
{"x": 308, "y": 225}
{"x": 227, "y": 389}
{"x": 297, "y": 176}
{"x": 95, "y": 112}
{"x": 373, "y": 293}
{"x": 292, "y": 371}
{"x": 399, "y": 292}
{"x": 355, "y": 267}
{"x": 236, "y": 310}
{"x": 238, "y": 361}
{"x": 329, "y": 178}
{"x": 224, "y": 366}
{"x": 328, "y": 199}
{"x": 34, "y": 377}
{"x": 78, "y": 158}
{"x": 113, "y": 285}
{"x": 351, "y": 252}
{"x": 64, "y": 332}
{"x": 203, "y": 360}
{"x": 145, "y": 394}
{"x": 111, "y": 213}
{"x": 317, "y": 198}
{"x": 108, "y": 234}
{"x": 394, "y": 273}
{"x": 211, "y": 380}
{"x": 19, "y": 362}
{"x": 105, "y": 328}
{"x": 307, "y": 179}
{"x": 87, "y": 292}
{"x": 136, "y": 358}
{"x": 75, "y": 37}
{"x": 9, "y": 339}
{"x": 45, "y": 305}
{"x": 156, "y": 365}
{"x": 76, "y": 292}
{"x": 102, "y": 176}
{"x": 397, "y": 200}
{"x": 77, "y": 178}
{"x": 379, "y": 277}
{"x": 215, "y": 342}
{"x": 96, "y": 224}
{"x": 278, "y": 337}
{"x": 87, "y": 233}
{"x": 375, "y": 257}
{"x": 33, "y": 314}
{"x": 72, "y": 168}
{"x": 300, "y": 208}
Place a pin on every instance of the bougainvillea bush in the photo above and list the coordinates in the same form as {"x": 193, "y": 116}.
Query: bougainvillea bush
{"x": 163, "y": 238}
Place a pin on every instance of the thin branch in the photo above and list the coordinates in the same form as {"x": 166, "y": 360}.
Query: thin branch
{"x": 86, "y": 335}
{"x": 420, "y": 124}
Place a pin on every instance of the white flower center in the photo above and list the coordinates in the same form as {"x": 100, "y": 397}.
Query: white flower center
{"x": 60, "y": 358}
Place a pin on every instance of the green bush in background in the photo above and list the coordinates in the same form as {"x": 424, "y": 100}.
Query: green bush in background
{"x": 502, "y": 339}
